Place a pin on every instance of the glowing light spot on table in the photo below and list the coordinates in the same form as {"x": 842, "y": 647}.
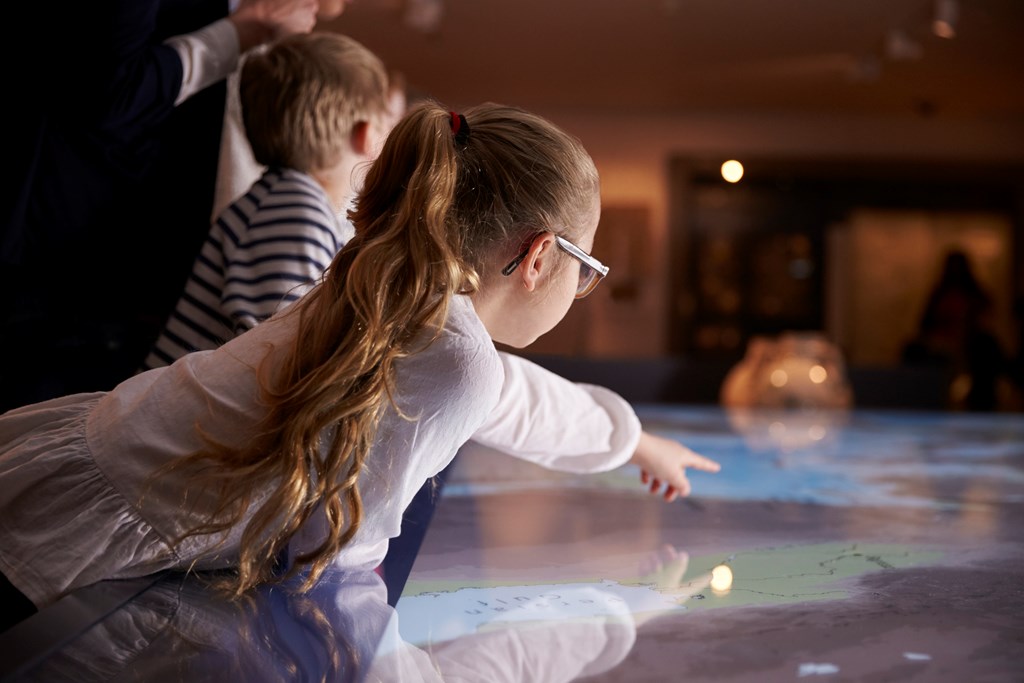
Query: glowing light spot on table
{"x": 721, "y": 579}
{"x": 816, "y": 432}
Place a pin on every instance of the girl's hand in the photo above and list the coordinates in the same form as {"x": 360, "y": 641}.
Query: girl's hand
{"x": 664, "y": 461}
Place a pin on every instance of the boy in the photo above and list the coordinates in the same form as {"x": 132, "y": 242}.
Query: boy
{"x": 314, "y": 110}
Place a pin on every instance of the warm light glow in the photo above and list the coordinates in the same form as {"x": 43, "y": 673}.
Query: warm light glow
{"x": 818, "y": 374}
{"x": 778, "y": 378}
{"x": 960, "y": 387}
{"x": 721, "y": 579}
{"x": 943, "y": 29}
{"x": 732, "y": 171}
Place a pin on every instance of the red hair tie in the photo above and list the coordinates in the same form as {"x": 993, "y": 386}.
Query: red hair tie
{"x": 460, "y": 129}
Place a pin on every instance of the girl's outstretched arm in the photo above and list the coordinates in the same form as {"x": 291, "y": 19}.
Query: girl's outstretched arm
{"x": 548, "y": 420}
{"x": 664, "y": 461}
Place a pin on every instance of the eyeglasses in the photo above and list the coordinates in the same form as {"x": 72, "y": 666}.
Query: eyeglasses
{"x": 591, "y": 270}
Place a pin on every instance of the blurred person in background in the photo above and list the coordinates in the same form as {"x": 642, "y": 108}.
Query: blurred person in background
{"x": 957, "y": 332}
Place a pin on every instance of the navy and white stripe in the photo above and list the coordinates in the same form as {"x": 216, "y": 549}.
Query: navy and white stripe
{"x": 263, "y": 252}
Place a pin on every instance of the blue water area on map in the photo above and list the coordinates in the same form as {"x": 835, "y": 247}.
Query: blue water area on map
{"x": 858, "y": 458}
{"x": 928, "y": 460}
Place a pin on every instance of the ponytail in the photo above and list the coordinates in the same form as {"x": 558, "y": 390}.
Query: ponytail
{"x": 435, "y": 210}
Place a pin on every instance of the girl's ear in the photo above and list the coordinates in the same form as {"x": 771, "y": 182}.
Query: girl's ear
{"x": 538, "y": 262}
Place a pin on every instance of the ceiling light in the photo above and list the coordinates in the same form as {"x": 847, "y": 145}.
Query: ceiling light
{"x": 424, "y": 15}
{"x": 944, "y": 21}
{"x": 732, "y": 171}
{"x": 899, "y": 47}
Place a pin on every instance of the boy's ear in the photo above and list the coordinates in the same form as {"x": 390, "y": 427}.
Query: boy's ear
{"x": 360, "y": 138}
{"x": 538, "y": 262}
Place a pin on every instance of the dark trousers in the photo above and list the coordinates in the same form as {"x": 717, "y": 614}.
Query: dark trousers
{"x": 16, "y": 607}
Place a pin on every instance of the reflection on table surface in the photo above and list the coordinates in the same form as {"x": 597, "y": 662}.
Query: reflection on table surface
{"x": 182, "y": 629}
{"x": 831, "y": 546}
{"x": 840, "y": 545}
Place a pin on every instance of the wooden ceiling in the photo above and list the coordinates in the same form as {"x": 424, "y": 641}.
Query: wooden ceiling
{"x": 855, "y": 57}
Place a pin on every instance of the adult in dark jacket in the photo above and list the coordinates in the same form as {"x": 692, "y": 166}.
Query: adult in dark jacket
{"x": 114, "y": 142}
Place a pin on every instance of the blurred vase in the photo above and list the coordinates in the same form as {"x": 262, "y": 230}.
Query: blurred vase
{"x": 794, "y": 370}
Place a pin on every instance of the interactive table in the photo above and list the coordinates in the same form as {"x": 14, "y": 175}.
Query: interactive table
{"x": 832, "y": 546}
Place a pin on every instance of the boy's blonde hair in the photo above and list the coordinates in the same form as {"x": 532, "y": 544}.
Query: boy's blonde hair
{"x": 302, "y": 97}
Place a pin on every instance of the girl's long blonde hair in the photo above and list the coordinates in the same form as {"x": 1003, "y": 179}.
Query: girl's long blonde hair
{"x": 436, "y": 216}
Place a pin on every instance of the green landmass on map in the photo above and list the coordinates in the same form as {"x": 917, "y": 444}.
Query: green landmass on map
{"x": 774, "y": 575}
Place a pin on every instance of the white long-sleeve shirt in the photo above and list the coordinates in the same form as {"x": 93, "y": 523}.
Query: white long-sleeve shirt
{"x": 78, "y": 505}
{"x": 207, "y": 55}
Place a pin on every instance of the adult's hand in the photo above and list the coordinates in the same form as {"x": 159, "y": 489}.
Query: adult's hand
{"x": 260, "y": 21}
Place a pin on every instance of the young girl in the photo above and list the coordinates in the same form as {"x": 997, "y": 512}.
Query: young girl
{"x": 300, "y": 442}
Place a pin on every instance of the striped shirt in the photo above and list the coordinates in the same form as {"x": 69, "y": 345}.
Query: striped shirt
{"x": 263, "y": 252}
